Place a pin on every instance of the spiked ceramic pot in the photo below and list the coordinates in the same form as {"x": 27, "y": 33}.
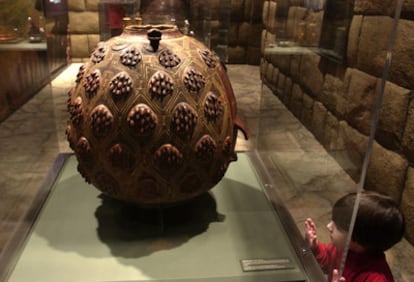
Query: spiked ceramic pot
{"x": 153, "y": 117}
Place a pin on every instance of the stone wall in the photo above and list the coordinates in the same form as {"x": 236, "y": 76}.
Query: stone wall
{"x": 335, "y": 100}
{"x": 83, "y": 27}
{"x": 243, "y": 36}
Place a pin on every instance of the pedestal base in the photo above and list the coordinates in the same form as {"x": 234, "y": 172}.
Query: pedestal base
{"x": 81, "y": 235}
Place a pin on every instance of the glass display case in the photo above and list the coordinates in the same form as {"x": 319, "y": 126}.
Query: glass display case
{"x": 317, "y": 132}
{"x": 334, "y": 138}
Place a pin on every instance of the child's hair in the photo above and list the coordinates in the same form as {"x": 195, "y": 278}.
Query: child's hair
{"x": 379, "y": 223}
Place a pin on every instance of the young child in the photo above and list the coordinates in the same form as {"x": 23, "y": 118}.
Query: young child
{"x": 379, "y": 225}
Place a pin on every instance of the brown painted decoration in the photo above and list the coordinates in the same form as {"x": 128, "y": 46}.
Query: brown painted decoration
{"x": 153, "y": 118}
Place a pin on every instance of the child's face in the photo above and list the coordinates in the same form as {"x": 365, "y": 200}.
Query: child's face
{"x": 338, "y": 236}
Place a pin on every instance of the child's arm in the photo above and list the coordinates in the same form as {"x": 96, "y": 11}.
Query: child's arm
{"x": 311, "y": 238}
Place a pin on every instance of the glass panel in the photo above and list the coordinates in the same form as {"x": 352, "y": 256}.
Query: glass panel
{"x": 32, "y": 50}
{"x": 318, "y": 104}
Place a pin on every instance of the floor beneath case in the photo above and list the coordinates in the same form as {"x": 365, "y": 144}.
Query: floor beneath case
{"x": 304, "y": 176}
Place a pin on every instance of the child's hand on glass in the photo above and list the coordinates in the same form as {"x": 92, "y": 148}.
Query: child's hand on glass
{"x": 311, "y": 239}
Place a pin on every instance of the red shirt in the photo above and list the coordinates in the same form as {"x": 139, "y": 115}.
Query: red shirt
{"x": 359, "y": 267}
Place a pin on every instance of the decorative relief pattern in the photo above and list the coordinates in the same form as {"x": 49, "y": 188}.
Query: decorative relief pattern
{"x": 208, "y": 58}
{"x": 80, "y": 73}
{"x": 83, "y": 148}
{"x": 142, "y": 120}
{"x": 101, "y": 120}
{"x": 98, "y": 54}
{"x": 131, "y": 57}
{"x": 168, "y": 156}
{"x": 121, "y": 85}
{"x": 161, "y": 85}
{"x": 75, "y": 111}
{"x": 184, "y": 119}
{"x": 205, "y": 148}
{"x": 91, "y": 83}
{"x": 168, "y": 59}
{"x": 194, "y": 81}
{"x": 213, "y": 109}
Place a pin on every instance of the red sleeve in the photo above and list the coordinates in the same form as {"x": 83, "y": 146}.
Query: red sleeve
{"x": 373, "y": 277}
{"x": 327, "y": 257}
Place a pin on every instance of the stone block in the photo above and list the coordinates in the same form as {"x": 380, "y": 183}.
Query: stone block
{"x": 76, "y": 5}
{"x": 313, "y": 28}
{"x": 295, "y": 17}
{"x": 275, "y": 76}
{"x": 375, "y": 7}
{"x": 331, "y": 132}
{"x": 4, "y": 106}
{"x": 408, "y": 135}
{"x": 237, "y": 55}
{"x": 79, "y": 46}
{"x": 243, "y": 33}
{"x": 215, "y": 7}
{"x": 92, "y": 5}
{"x": 296, "y": 101}
{"x": 353, "y": 40}
{"x": 318, "y": 121}
{"x": 288, "y": 90}
{"x": 408, "y": 8}
{"x": 310, "y": 74}
{"x": 407, "y": 205}
{"x": 307, "y": 111}
{"x": 265, "y": 12}
{"x": 402, "y": 71}
{"x": 373, "y": 44}
{"x": 282, "y": 62}
{"x": 253, "y": 10}
{"x": 253, "y": 55}
{"x": 269, "y": 73}
{"x": 280, "y": 86}
{"x": 271, "y": 22}
{"x": 392, "y": 117}
{"x": 233, "y": 35}
{"x": 254, "y": 35}
{"x": 284, "y": 5}
{"x": 362, "y": 93}
{"x": 93, "y": 40}
{"x": 263, "y": 67}
{"x": 354, "y": 146}
{"x": 332, "y": 90}
{"x": 263, "y": 42}
{"x": 386, "y": 172}
{"x": 237, "y": 10}
{"x": 295, "y": 62}
{"x": 84, "y": 23}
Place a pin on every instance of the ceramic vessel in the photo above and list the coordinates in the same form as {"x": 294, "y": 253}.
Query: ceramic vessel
{"x": 153, "y": 118}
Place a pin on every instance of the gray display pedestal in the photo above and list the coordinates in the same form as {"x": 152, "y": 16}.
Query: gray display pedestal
{"x": 231, "y": 233}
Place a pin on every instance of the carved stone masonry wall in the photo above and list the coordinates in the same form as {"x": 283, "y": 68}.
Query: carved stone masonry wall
{"x": 83, "y": 27}
{"x": 244, "y": 32}
{"x": 336, "y": 101}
